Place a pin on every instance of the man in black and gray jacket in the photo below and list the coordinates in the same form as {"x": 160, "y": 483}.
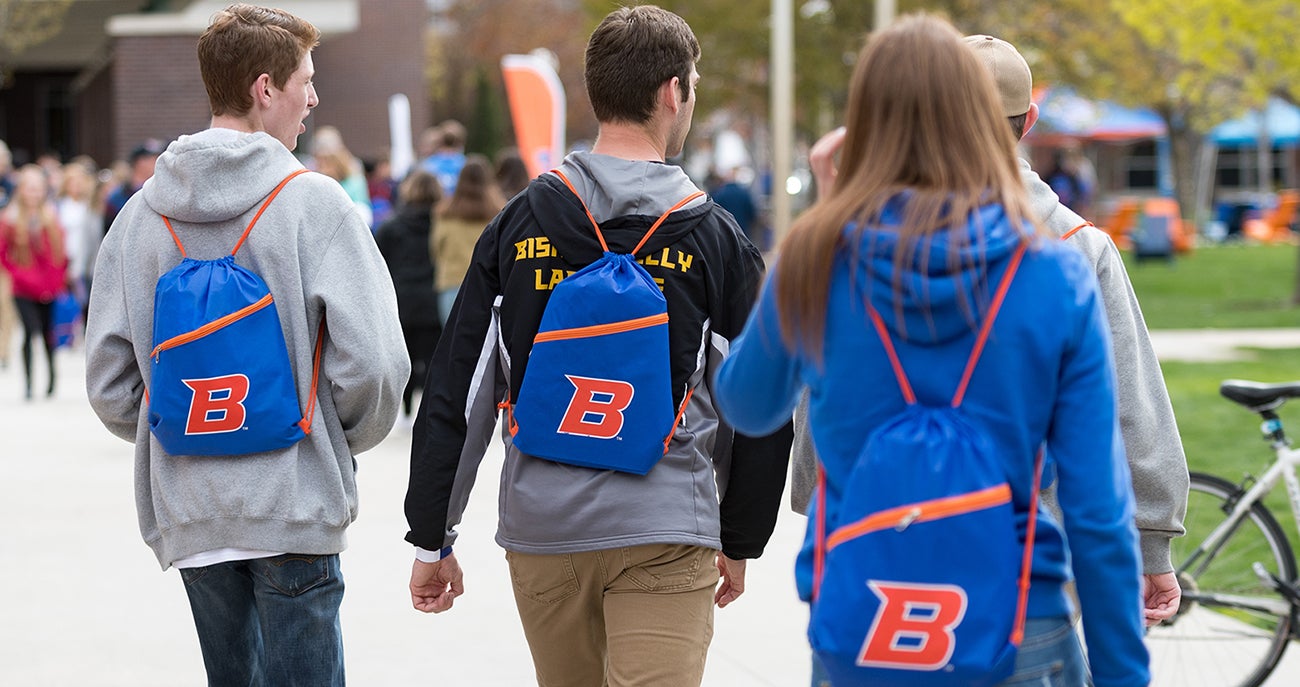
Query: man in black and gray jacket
{"x": 615, "y": 574}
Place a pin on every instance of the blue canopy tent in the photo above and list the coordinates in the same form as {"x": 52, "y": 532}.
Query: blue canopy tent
{"x": 1280, "y": 119}
{"x": 1064, "y": 113}
{"x": 1064, "y": 116}
{"x": 1274, "y": 127}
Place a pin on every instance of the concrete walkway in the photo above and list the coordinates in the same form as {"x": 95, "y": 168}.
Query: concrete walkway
{"x": 82, "y": 601}
{"x": 1213, "y": 345}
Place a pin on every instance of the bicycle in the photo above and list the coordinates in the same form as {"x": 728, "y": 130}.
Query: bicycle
{"x": 1240, "y": 599}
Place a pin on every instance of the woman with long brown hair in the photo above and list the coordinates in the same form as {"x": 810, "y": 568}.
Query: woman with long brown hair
{"x": 920, "y": 280}
{"x": 32, "y": 251}
{"x": 461, "y": 220}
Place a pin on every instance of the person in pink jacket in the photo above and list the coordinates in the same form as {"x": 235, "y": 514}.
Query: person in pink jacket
{"x": 32, "y": 252}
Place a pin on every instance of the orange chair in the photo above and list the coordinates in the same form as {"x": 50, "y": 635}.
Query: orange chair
{"x": 1275, "y": 226}
{"x": 1182, "y": 235}
{"x": 1120, "y": 224}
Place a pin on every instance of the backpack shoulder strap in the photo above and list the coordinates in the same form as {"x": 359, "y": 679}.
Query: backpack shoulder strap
{"x": 1075, "y": 230}
{"x": 305, "y": 422}
{"x": 265, "y": 204}
{"x": 901, "y": 375}
{"x": 249, "y": 229}
{"x": 175, "y": 238}
{"x": 681, "y": 203}
{"x": 983, "y": 337}
{"x": 604, "y": 246}
{"x": 1027, "y": 556}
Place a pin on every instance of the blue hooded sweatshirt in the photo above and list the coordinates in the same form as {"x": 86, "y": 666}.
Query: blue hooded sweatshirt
{"x": 1045, "y": 377}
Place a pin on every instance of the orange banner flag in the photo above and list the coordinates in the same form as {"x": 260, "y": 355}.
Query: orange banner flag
{"x": 536, "y": 108}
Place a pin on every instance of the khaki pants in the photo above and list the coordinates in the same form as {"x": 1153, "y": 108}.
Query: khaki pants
{"x": 640, "y": 616}
{"x": 8, "y": 316}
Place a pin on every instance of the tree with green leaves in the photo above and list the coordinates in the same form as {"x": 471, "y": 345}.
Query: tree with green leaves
{"x": 471, "y": 36}
{"x": 25, "y": 24}
{"x": 490, "y": 130}
{"x": 1195, "y": 62}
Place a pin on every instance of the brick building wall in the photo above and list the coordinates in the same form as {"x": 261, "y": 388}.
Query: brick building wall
{"x": 94, "y": 119}
{"x": 357, "y": 72}
{"x": 158, "y": 92}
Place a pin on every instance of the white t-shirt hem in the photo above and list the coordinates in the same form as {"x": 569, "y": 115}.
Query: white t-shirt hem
{"x": 223, "y": 555}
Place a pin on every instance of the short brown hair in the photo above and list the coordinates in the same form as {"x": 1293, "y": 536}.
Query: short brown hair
{"x": 451, "y": 134}
{"x": 1018, "y": 123}
{"x": 419, "y": 188}
{"x": 242, "y": 43}
{"x": 630, "y": 54}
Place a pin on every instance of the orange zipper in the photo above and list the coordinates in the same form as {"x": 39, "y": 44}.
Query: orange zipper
{"x": 602, "y": 329}
{"x": 903, "y": 516}
{"x": 182, "y": 339}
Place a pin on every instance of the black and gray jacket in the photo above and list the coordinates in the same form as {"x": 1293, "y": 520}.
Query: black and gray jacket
{"x": 713, "y": 488}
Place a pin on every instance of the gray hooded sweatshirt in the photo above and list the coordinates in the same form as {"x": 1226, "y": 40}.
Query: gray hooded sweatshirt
{"x": 1150, "y": 433}
{"x": 320, "y": 262}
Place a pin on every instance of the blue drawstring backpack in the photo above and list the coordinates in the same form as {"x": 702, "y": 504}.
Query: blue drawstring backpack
{"x": 221, "y": 382}
{"x": 892, "y": 605}
{"x": 597, "y": 391}
{"x": 65, "y": 315}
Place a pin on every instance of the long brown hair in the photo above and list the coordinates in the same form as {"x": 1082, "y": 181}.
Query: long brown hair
{"x": 476, "y": 198}
{"x": 923, "y": 116}
{"x": 28, "y": 221}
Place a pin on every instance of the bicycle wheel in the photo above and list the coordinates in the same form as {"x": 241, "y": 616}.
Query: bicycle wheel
{"x": 1232, "y": 626}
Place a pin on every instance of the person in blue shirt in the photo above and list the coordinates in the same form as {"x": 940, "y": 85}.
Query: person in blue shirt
{"x": 735, "y": 198}
{"x": 447, "y": 156}
{"x": 143, "y": 158}
{"x": 921, "y": 222}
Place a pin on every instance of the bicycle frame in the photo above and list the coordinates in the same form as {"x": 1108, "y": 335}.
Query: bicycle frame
{"x": 1283, "y": 468}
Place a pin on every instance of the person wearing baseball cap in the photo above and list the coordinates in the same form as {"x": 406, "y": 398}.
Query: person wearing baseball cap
{"x": 142, "y": 160}
{"x": 1155, "y": 452}
{"x": 1011, "y": 74}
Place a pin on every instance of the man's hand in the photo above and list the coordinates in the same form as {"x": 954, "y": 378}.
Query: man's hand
{"x": 733, "y": 580}
{"x": 821, "y": 160}
{"x": 435, "y": 586}
{"x": 1160, "y": 597}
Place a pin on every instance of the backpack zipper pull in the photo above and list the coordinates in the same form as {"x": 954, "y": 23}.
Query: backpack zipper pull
{"x": 908, "y": 519}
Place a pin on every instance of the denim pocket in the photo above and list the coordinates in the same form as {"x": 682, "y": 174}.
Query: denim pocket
{"x": 293, "y": 574}
{"x": 1050, "y": 675}
{"x": 1049, "y": 656}
{"x": 192, "y": 576}
{"x": 671, "y": 567}
{"x": 544, "y": 579}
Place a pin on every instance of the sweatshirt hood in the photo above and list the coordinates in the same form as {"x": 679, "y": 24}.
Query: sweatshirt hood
{"x": 246, "y": 167}
{"x": 625, "y": 197}
{"x": 935, "y": 301}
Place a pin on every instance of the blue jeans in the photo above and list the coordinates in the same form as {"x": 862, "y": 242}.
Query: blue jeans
{"x": 446, "y": 299}
{"x": 269, "y": 621}
{"x": 1049, "y": 656}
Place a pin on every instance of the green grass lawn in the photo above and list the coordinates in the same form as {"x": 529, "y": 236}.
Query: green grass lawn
{"x": 1225, "y": 286}
{"x": 1228, "y": 286}
{"x": 1223, "y": 438}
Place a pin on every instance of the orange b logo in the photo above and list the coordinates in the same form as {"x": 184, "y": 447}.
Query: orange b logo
{"x": 596, "y": 409}
{"x": 913, "y": 629}
{"x": 217, "y": 405}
